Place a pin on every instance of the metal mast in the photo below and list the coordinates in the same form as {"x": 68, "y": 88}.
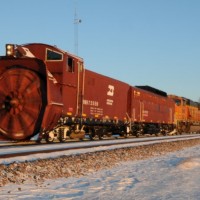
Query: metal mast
{"x": 77, "y": 21}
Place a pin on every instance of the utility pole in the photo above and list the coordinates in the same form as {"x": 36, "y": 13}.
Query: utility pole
{"x": 77, "y": 21}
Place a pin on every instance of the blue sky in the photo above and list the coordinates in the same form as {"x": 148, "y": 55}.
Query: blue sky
{"x": 141, "y": 42}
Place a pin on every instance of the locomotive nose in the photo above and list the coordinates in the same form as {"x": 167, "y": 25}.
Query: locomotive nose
{"x": 20, "y": 103}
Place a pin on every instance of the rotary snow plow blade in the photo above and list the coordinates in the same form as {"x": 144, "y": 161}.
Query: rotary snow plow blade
{"x": 21, "y": 103}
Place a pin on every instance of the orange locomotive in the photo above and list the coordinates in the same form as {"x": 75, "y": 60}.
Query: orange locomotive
{"x": 47, "y": 93}
{"x": 187, "y": 114}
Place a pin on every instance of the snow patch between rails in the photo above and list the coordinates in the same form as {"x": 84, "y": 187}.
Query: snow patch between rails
{"x": 189, "y": 163}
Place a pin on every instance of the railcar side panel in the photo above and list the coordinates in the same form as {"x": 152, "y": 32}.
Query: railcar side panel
{"x": 148, "y": 107}
{"x": 104, "y": 97}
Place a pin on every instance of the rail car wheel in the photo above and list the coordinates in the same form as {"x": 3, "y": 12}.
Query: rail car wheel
{"x": 126, "y": 135}
{"x": 137, "y": 134}
{"x": 50, "y": 137}
{"x": 156, "y": 134}
{"x": 21, "y": 103}
{"x": 91, "y": 134}
{"x": 101, "y": 132}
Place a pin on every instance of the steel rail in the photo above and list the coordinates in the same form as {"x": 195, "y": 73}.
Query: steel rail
{"x": 7, "y": 152}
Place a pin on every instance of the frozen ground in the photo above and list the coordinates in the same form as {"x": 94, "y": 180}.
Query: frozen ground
{"x": 173, "y": 176}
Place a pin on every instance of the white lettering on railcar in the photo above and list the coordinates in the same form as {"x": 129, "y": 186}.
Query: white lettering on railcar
{"x": 109, "y": 102}
{"x": 110, "y": 90}
{"x": 96, "y": 111}
{"x": 90, "y": 103}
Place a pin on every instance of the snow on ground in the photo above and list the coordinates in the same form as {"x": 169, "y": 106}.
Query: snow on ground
{"x": 174, "y": 176}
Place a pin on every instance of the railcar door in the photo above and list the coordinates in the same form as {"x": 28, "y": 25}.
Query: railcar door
{"x": 72, "y": 86}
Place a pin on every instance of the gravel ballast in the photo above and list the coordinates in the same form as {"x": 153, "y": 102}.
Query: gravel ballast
{"x": 82, "y": 164}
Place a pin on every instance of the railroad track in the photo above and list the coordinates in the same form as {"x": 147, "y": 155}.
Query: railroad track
{"x": 15, "y": 151}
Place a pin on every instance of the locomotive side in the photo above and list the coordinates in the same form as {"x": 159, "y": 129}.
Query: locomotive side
{"x": 187, "y": 114}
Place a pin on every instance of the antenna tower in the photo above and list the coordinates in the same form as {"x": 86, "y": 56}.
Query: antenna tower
{"x": 77, "y": 21}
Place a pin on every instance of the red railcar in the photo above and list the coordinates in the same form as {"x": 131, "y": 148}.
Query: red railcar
{"x": 151, "y": 110}
{"x": 104, "y": 97}
{"x": 104, "y": 104}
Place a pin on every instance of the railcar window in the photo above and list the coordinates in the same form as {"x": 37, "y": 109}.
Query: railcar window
{"x": 177, "y": 102}
{"x": 184, "y": 102}
{"x": 188, "y": 102}
{"x": 70, "y": 65}
{"x": 52, "y": 55}
{"x": 194, "y": 104}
